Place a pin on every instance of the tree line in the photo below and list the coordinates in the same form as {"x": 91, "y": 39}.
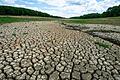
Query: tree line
{"x": 16, "y": 11}
{"x": 110, "y": 12}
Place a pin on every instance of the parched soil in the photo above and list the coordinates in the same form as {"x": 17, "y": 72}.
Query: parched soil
{"x": 107, "y": 32}
{"x": 49, "y": 51}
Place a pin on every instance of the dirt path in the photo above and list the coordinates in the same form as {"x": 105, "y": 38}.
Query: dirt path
{"x": 48, "y": 51}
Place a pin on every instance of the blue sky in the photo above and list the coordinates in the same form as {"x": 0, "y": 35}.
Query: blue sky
{"x": 64, "y": 8}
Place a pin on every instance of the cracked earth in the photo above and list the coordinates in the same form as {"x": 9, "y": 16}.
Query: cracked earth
{"x": 48, "y": 51}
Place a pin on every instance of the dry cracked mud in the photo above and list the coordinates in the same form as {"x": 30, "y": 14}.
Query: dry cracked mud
{"x": 48, "y": 51}
{"x": 107, "y": 32}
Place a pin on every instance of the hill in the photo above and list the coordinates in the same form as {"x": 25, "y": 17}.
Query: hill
{"x": 110, "y": 12}
{"x": 17, "y": 11}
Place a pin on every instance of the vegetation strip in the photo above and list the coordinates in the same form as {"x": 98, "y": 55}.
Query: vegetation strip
{"x": 10, "y": 19}
{"x": 117, "y": 42}
{"x": 103, "y": 31}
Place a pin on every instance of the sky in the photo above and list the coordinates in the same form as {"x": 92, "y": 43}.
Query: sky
{"x": 64, "y": 8}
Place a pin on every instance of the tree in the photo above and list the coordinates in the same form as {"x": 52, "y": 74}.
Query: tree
{"x": 110, "y": 12}
{"x": 15, "y": 11}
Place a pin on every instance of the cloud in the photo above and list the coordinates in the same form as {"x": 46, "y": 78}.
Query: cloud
{"x": 68, "y": 8}
{"x": 54, "y": 2}
{"x": 9, "y": 1}
{"x": 65, "y": 8}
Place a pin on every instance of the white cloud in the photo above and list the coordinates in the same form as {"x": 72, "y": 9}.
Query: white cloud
{"x": 66, "y": 8}
{"x": 54, "y": 2}
{"x": 9, "y": 1}
{"x": 82, "y": 7}
{"x": 28, "y": 7}
{"x": 16, "y": 5}
{"x": 57, "y": 2}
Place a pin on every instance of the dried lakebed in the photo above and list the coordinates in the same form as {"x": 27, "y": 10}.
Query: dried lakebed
{"x": 106, "y": 32}
{"x": 48, "y": 51}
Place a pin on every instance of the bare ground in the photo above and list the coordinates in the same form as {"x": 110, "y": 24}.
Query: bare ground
{"x": 48, "y": 51}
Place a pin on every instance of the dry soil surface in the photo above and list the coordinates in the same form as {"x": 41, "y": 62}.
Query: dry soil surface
{"x": 48, "y": 51}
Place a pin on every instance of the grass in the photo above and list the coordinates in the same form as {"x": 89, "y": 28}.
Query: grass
{"x": 10, "y": 19}
{"x": 103, "y": 44}
{"x": 109, "y": 20}
{"x": 14, "y": 34}
{"x": 103, "y": 31}
{"x": 25, "y": 33}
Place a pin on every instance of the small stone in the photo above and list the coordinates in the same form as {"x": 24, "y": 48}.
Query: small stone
{"x": 115, "y": 71}
{"x": 105, "y": 74}
{"x": 99, "y": 66}
{"x": 100, "y": 62}
{"x": 10, "y": 75}
{"x": 9, "y": 59}
{"x": 34, "y": 60}
{"x": 117, "y": 67}
{"x": 103, "y": 68}
{"x": 28, "y": 77}
{"x": 65, "y": 75}
{"x": 43, "y": 71}
{"x": 15, "y": 54}
{"x": 98, "y": 72}
{"x": 42, "y": 77}
{"x": 95, "y": 75}
{"x": 33, "y": 77}
{"x": 77, "y": 67}
{"x": 54, "y": 76}
{"x": 8, "y": 69}
{"x": 42, "y": 63}
{"x": 110, "y": 77}
{"x": 95, "y": 62}
{"x": 91, "y": 62}
{"x": 21, "y": 77}
{"x": 2, "y": 76}
{"x": 49, "y": 70}
{"x": 106, "y": 63}
{"x": 5, "y": 63}
{"x": 59, "y": 67}
{"x": 40, "y": 56}
{"x": 47, "y": 59}
{"x": 67, "y": 69}
{"x": 17, "y": 72}
{"x": 76, "y": 75}
{"x": 63, "y": 63}
{"x": 1, "y": 66}
{"x": 83, "y": 70}
{"x": 43, "y": 50}
{"x": 103, "y": 59}
{"x": 37, "y": 66}
{"x": 117, "y": 77}
{"x": 26, "y": 63}
{"x": 86, "y": 76}
{"x": 94, "y": 79}
{"x": 76, "y": 61}
{"x": 30, "y": 70}
{"x": 23, "y": 70}
{"x": 82, "y": 63}
{"x": 36, "y": 73}
{"x": 101, "y": 78}
{"x": 90, "y": 70}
